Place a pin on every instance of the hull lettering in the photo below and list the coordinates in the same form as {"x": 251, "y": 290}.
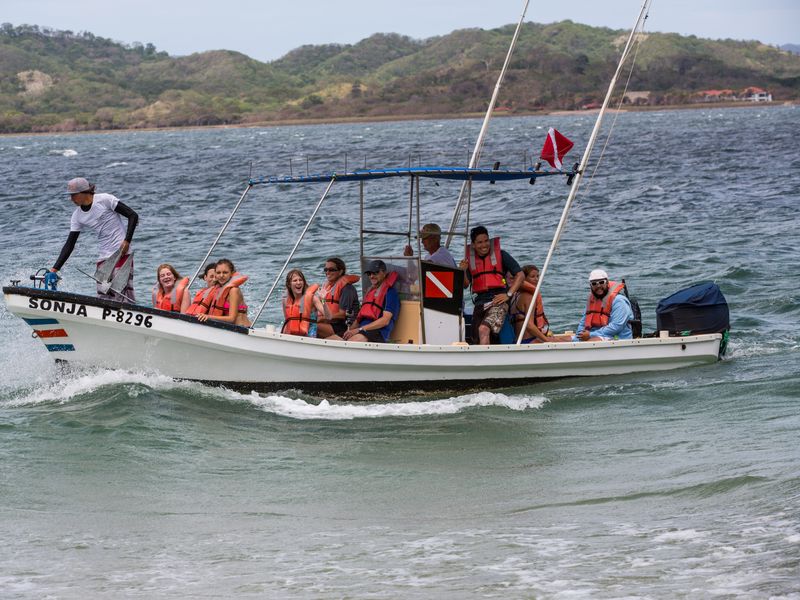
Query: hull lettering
{"x": 127, "y": 317}
{"x": 67, "y": 308}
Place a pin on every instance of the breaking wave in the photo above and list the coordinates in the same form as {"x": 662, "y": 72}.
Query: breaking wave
{"x": 73, "y": 386}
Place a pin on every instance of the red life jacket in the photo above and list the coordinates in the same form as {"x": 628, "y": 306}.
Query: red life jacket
{"x": 487, "y": 272}
{"x": 598, "y": 310}
{"x": 218, "y": 308}
{"x": 202, "y": 301}
{"x": 171, "y": 301}
{"x": 538, "y": 317}
{"x": 375, "y": 299}
{"x": 297, "y": 313}
{"x": 333, "y": 293}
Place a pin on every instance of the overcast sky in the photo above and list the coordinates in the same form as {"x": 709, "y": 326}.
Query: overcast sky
{"x": 268, "y": 29}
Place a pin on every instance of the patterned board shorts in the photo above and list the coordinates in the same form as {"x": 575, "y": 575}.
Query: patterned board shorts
{"x": 495, "y": 316}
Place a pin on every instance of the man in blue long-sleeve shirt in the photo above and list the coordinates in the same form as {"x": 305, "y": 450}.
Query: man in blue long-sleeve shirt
{"x": 608, "y": 311}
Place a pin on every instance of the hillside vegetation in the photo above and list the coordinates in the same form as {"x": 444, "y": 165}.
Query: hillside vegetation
{"x": 63, "y": 81}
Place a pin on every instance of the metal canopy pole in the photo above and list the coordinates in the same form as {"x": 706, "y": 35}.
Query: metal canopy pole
{"x": 584, "y": 161}
{"x": 476, "y": 152}
{"x": 420, "y": 282}
{"x": 291, "y": 254}
{"x": 214, "y": 245}
{"x": 361, "y": 233}
{"x": 411, "y": 209}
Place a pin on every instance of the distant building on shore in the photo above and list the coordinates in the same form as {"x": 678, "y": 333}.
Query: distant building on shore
{"x": 756, "y": 94}
{"x": 636, "y": 98}
{"x": 750, "y": 94}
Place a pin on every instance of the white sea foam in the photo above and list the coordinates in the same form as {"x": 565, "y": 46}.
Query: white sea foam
{"x": 300, "y": 409}
{"x": 116, "y": 164}
{"x": 681, "y": 535}
{"x": 64, "y": 389}
{"x": 65, "y": 152}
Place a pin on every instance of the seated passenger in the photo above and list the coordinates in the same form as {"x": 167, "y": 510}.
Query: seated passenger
{"x": 430, "y": 235}
{"x": 341, "y": 298}
{"x": 538, "y": 329}
{"x": 608, "y": 311}
{"x": 380, "y": 308}
{"x": 169, "y": 292}
{"x": 486, "y": 265}
{"x": 203, "y": 298}
{"x": 228, "y": 305}
{"x": 301, "y": 306}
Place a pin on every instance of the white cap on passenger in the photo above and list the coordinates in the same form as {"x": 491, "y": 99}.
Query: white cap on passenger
{"x": 597, "y": 274}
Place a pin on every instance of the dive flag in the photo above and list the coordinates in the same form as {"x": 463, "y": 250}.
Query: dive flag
{"x": 555, "y": 147}
{"x": 439, "y": 284}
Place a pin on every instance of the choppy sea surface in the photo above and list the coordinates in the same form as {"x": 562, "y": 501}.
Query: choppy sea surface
{"x": 682, "y": 484}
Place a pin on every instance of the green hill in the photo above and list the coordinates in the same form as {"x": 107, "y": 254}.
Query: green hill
{"x": 63, "y": 81}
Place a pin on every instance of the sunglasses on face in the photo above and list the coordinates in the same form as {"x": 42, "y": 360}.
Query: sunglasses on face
{"x": 329, "y": 270}
{"x": 598, "y": 282}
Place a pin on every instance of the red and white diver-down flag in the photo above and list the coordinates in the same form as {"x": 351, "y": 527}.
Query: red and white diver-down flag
{"x": 555, "y": 148}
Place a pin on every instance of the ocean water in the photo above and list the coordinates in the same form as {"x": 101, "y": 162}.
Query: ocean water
{"x": 682, "y": 484}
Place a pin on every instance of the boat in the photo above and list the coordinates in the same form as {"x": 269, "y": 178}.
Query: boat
{"x": 428, "y": 349}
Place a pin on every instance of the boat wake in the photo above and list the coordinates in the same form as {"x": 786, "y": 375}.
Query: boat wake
{"x": 298, "y": 408}
{"x": 292, "y": 404}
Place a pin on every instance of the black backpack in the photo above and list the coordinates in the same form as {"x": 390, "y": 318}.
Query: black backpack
{"x": 636, "y": 321}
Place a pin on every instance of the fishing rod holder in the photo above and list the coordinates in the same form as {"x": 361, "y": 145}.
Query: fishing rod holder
{"x": 575, "y": 171}
{"x": 45, "y": 279}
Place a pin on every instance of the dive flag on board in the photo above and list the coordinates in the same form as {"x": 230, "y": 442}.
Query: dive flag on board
{"x": 555, "y": 147}
{"x": 439, "y": 284}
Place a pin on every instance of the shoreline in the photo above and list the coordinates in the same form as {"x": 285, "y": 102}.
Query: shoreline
{"x": 394, "y": 118}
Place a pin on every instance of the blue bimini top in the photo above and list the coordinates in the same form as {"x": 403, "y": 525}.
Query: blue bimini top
{"x": 454, "y": 173}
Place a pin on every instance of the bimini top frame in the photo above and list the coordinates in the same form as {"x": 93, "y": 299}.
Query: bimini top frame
{"x": 454, "y": 173}
{"x": 465, "y": 174}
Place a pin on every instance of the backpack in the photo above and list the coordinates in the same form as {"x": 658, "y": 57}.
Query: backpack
{"x": 636, "y": 321}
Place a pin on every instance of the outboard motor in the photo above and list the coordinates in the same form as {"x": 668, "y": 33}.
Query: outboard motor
{"x": 698, "y": 309}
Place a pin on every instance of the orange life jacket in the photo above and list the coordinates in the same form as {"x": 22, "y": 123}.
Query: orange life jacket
{"x": 297, "y": 313}
{"x": 202, "y": 301}
{"x": 171, "y": 301}
{"x": 487, "y": 272}
{"x": 538, "y": 311}
{"x": 598, "y": 310}
{"x": 375, "y": 299}
{"x": 333, "y": 293}
{"x": 217, "y": 308}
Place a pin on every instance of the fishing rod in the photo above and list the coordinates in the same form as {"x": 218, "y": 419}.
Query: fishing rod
{"x": 105, "y": 283}
{"x": 219, "y": 235}
{"x": 640, "y": 19}
{"x": 476, "y": 152}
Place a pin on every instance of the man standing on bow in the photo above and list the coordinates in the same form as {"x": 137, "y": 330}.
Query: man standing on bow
{"x": 103, "y": 214}
{"x": 608, "y": 311}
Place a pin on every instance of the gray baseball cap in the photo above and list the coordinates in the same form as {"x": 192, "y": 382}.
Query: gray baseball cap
{"x": 78, "y": 185}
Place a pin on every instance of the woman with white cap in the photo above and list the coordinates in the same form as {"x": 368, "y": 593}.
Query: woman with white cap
{"x": 101, "y": 213}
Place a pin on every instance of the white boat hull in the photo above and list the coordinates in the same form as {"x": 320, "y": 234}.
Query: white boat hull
{"x": 87, "y": 331}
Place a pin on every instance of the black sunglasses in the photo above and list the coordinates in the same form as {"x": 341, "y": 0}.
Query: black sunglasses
{"x": 329, "y": 270}
{"x": 598, "y": 282}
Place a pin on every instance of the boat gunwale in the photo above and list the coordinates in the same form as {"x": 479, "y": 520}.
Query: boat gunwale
{"x": 116, "y": 304}
{"x": 262, "y": 333}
